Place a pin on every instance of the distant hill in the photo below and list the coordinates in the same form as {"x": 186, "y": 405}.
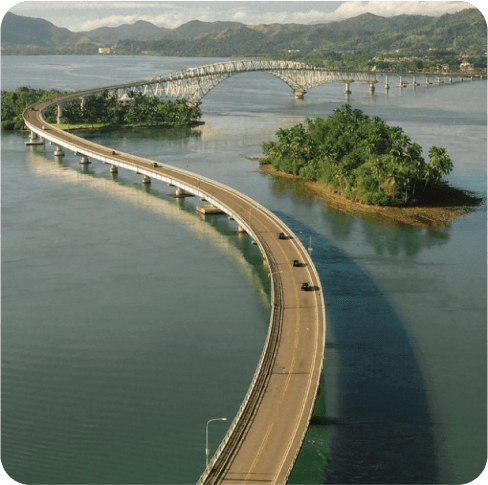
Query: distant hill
{"x": 461, "y": 33}
{"x": 196, "y": 29}
{"x": 20, "y": 30}
{"x": 140, "y": 30}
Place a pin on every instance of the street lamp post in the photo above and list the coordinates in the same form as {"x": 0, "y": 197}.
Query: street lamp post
{"x": 206, "y": 435}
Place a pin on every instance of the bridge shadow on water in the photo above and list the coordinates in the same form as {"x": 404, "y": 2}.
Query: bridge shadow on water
{"x": 375, "y": 425}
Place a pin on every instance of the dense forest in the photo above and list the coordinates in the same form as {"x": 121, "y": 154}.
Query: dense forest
{"x": 362, "y": 157}
{"x": 103, "y": 109}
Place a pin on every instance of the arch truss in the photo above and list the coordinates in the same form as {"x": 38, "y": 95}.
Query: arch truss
{"x": 194, "y": 83}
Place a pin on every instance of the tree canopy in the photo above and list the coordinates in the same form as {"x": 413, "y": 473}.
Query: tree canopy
{"x": 362, "y": 157}
{"x": 104, "y": 108}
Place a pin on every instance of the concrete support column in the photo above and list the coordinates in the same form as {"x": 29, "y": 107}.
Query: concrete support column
{"x": 34, "y": 140}
{"x": 371, "y": 88}
{"x": 60, "y": 113}
{"x": 59, "y": 151}
{"x": 146, "y": 180}
{"x": 346, "y": 86}
{"x": 240, "y": 229}
{"x": 387, "y": 86}
{"x": 180, "y": 192}
{"x": 299, "y": 94}
{"x": 414, "y": 82}
{"x": 84, "y": 161}
{"x": 83, "y": 101}
{"x": 114, "y": 169}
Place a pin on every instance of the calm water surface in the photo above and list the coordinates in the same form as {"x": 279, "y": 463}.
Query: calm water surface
{"x": 128, "y": 321}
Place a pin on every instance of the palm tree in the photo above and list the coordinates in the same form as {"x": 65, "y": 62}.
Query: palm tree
{"x": 440, "y": 163}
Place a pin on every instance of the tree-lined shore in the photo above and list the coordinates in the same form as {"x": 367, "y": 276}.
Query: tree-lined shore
{"x": 101, "y": 110}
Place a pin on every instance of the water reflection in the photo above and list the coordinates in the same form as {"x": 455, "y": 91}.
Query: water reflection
{"x": 377, "y": 426}
{"x": 218, "y": 230}
{"x": 155, "y": 133}
{"x": 384, "y": 235}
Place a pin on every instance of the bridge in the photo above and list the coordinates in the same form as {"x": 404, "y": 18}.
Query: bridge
{"x": 194, "y": 83}
{"x": 264, "y": 438}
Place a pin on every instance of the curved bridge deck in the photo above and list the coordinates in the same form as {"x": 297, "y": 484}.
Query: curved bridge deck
{"x": 266, "y": 435}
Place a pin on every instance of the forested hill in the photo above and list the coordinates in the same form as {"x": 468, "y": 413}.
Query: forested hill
{"x": 461, "y": 33}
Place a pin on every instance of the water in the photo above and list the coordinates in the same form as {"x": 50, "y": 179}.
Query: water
{"x": 128, "y": 321}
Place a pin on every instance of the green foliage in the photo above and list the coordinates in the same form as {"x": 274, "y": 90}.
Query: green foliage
{"x": 14, "y": 103}
{"x": 102, "y": 108}
{"x": 362, "y": 157}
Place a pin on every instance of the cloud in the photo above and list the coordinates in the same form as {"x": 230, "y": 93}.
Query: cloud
{"x": 85, "y": 16}
{"x": 389, "y": 9}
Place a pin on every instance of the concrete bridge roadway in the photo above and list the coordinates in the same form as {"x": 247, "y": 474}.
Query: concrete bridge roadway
{"x": 266, "y": 435}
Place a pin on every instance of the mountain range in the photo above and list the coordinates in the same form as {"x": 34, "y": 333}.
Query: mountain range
{"x": 463, "y": 32}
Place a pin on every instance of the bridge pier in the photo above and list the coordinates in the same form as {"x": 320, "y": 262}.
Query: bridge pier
{"x": 346, "y": 86}
{"x": 60, "y": 114}
{"x": 387, "y": 86}
{"x": 146, "y": 180}
{"x": 299, "y": 94}
{"x": 59, "y": 151}
{"x": 371, "y": 87}
{"x": 414, "y": 82}
{"x": 180, "y": 193}
{"x": 34, "y": 140}
{"x": 114, "y": 169}
{"x": 84, "y": 161}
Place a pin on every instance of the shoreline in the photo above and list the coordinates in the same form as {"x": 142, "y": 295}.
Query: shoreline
{"x": 451, "y": 203}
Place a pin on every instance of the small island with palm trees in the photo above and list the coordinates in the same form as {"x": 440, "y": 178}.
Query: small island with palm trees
{"x": 361, "y": 165}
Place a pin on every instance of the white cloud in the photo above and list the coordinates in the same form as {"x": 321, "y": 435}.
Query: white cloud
{"x": 84, "y": 16}
{"x": 389, "y": 9}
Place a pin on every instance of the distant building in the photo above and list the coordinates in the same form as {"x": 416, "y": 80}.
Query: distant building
{"x": 104, "y": 50}
{"x": 466, "y": 66}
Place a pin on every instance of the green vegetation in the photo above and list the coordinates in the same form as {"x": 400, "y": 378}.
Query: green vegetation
{"x": 101, "y": 110}
{"x": 107, "y": 109}
{"x": 14, "y": 103}
{"x": 401, "y": 42}
{"x": 362, "y": 157}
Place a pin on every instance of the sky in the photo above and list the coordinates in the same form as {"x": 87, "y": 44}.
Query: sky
{"x": 87, "y": 15}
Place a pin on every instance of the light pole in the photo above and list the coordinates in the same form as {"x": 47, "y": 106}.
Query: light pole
{"x": 310, "y": 247}
{"x": 206, "y": 435}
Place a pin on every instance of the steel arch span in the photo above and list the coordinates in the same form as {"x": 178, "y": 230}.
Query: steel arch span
{"x": 194, "y": 83}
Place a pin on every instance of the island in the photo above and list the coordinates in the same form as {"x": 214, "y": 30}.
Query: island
{"x": 360, "y": 164}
